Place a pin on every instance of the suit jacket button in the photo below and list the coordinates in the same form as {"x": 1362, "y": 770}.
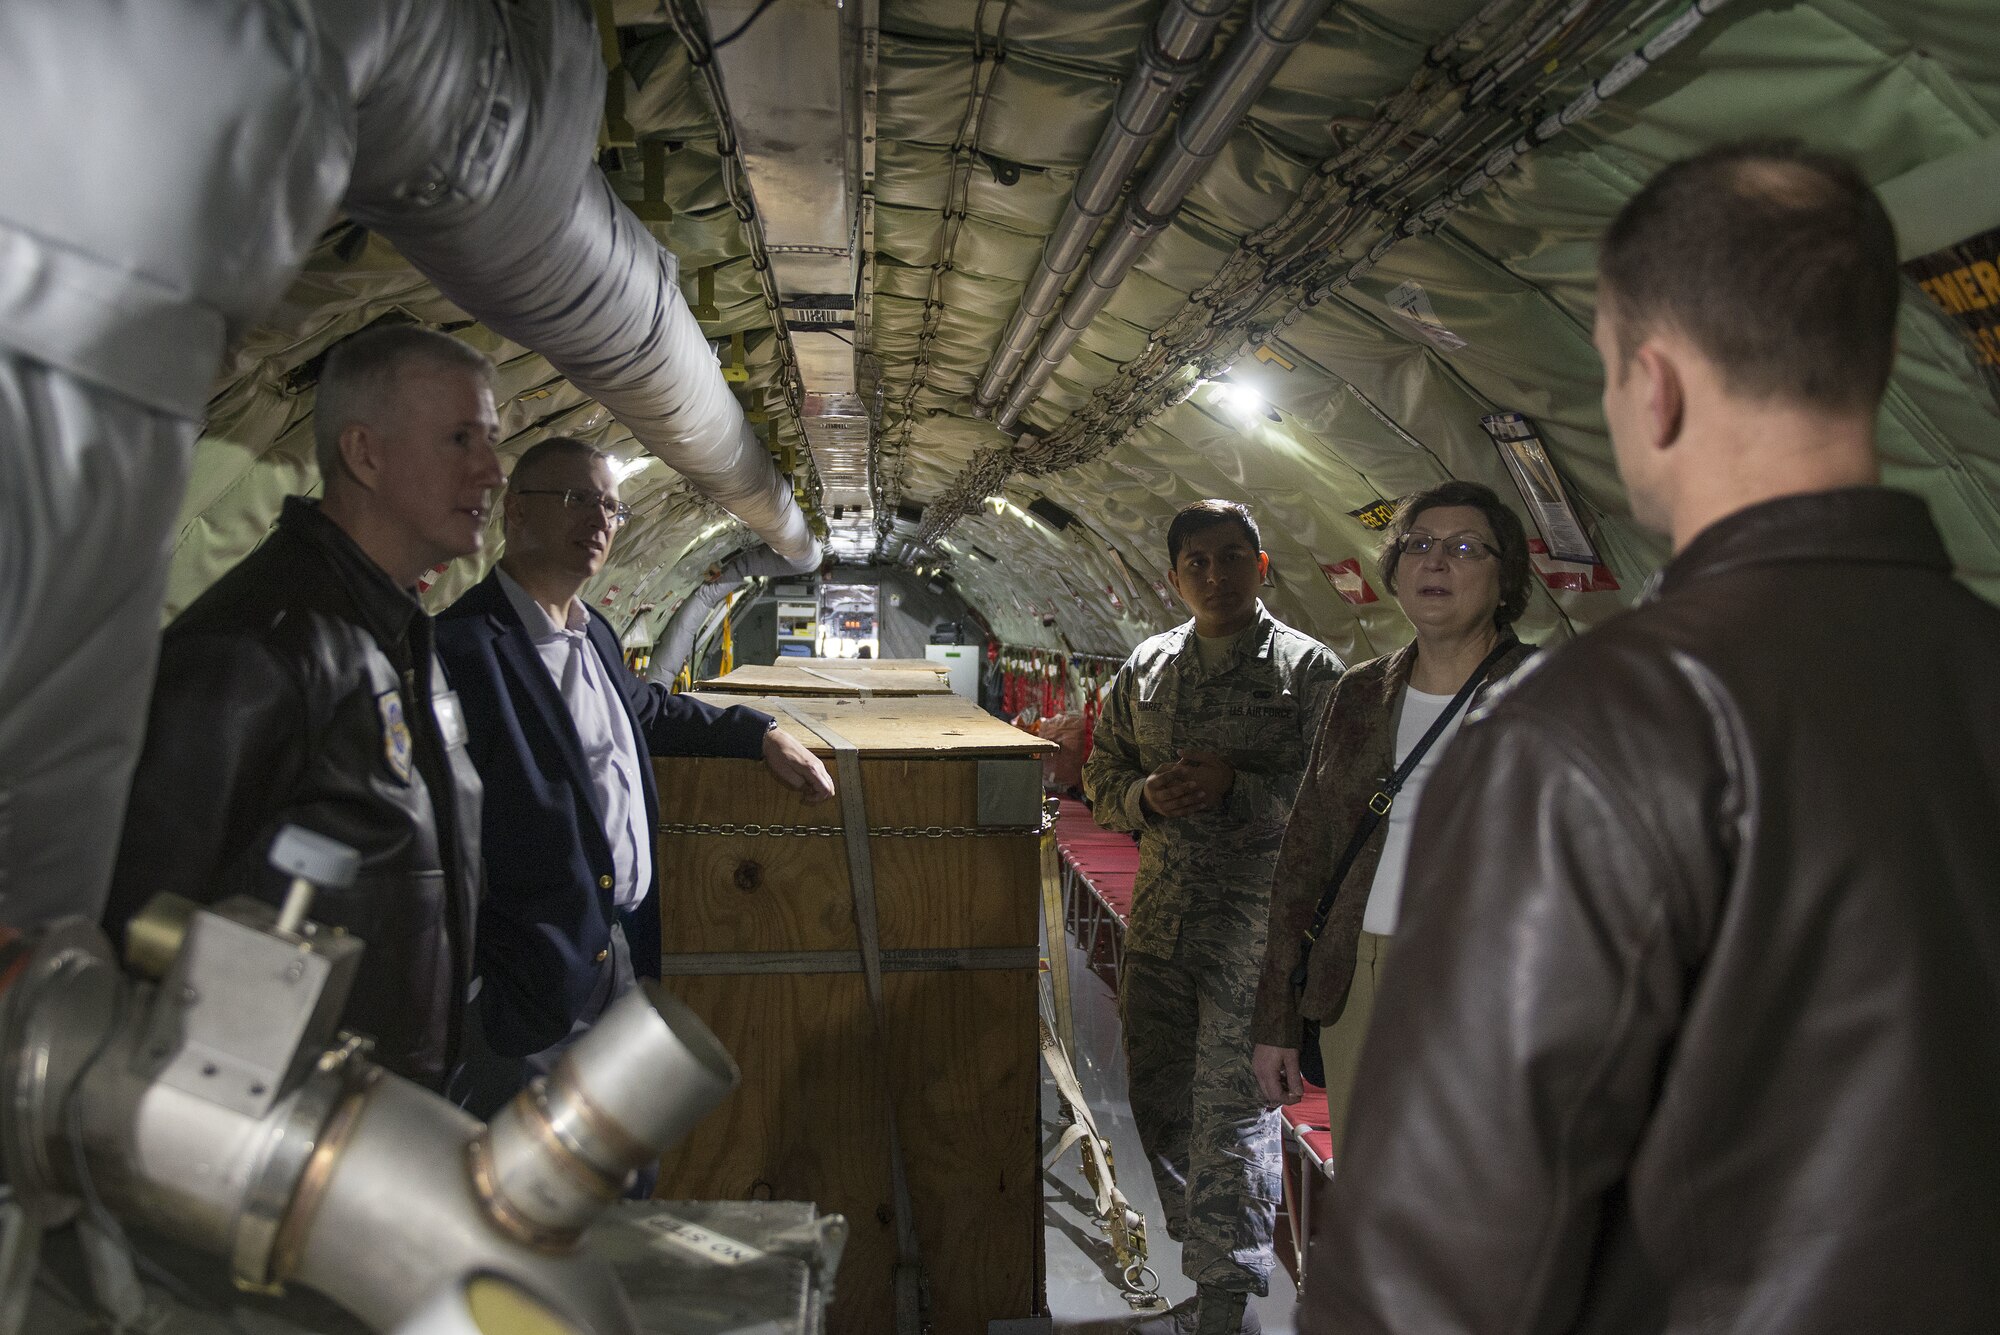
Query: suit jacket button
{"x": 603, "y": 955}
{"x": 604, "y": 883}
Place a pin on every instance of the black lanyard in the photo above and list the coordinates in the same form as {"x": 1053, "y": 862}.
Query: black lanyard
{"x": 1385, "y": 798}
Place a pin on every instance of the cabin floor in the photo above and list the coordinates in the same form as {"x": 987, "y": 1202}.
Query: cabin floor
{"x": 1083, "y": 1290}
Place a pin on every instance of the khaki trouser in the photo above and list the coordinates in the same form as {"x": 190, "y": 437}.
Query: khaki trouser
{"x": 1340, "y": 1042}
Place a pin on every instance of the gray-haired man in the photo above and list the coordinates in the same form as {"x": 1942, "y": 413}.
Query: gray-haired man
{"x": 302, "y": 688}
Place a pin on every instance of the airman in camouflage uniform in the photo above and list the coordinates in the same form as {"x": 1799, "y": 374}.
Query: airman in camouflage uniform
{"x": 1200, "y": 750}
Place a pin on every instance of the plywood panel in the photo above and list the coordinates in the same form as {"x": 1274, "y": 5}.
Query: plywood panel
{"x": 837, "y": 678}
{"x": 759, "y": 892}
{"x": 869, "y": 664}
{"x": 747, "y": 892}
{"x": 808, "y": 1123}
{"x": 912, "y": 726}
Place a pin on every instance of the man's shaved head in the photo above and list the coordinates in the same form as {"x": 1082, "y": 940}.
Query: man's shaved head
{"x": 1777, "y": 262}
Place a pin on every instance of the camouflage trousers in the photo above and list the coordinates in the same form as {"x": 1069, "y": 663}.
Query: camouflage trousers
{"x": 1211, "y": 1142}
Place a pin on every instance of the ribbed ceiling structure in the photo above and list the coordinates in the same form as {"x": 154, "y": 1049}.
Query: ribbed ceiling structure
{"x": 1343, "y": 257}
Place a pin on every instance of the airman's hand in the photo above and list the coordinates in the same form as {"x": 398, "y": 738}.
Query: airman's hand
{"x": 1169, "y": 792}
{"x": 1211, "y": 776}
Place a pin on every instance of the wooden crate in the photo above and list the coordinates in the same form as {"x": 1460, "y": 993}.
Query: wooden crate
{"x": 963, "y": 1062}
{"x": 829, "y": 677}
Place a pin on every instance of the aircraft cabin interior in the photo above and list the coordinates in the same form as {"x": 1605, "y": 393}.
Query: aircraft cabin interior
{"x": 882, "y": 342}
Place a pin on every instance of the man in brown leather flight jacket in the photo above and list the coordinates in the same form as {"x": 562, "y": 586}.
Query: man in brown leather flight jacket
{"x": 301, "y": 688}
{"x": 1695, "y": 1024}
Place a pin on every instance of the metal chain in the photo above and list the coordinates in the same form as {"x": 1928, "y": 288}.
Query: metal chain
{"x": 753, "y": 829}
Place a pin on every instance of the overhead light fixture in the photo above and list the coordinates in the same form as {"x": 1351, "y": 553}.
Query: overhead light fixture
{"x": 1241, "y": 401}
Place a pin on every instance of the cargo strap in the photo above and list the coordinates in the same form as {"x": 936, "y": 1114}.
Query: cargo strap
{"x": 912, "y": 1296}
{"x": 937, "y": 960}
{"x": 1123, "y": 1225}
{"x": 1055, "y": 933}
{"x": 845, "y": 683}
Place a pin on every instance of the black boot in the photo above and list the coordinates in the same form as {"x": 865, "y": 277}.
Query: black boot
{"x": 1225, "y": 1312}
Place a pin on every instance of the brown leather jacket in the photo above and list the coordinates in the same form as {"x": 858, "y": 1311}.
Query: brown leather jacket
{"x": 1353, "y": 754}
{"x": 1694, "y": 1023}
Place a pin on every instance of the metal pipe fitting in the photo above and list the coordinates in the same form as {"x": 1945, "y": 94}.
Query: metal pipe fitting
{"x": 350, "y": 1181}
{"x": 634, "y": 1085}
{"x": 388, "y": 1214}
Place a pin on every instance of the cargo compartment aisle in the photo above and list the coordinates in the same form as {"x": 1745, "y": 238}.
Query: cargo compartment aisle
{"x": 1084, "y": 1296}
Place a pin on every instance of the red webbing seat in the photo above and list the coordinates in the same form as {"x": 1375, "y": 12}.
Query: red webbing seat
{"x": 1099, "y": 866}
{"x": 1308, "y": 1159}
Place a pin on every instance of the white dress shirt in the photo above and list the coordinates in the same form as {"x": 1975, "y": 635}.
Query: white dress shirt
{"x": 610, "y": 752}
{"x": 1385, "y": 895}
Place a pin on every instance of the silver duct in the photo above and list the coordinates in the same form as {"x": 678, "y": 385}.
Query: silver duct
{"x": 506, "y": 212}
{"x": 1274, "y": 29}
{"x": 677, "y": 640}
{"x": 1168, "y": 57}
{"x": 463, "y": 130}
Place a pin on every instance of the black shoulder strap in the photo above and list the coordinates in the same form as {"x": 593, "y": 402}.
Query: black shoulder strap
{"x": 1385, "y": 798}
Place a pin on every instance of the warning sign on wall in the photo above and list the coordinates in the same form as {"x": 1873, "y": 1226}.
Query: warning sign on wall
{"x": 1376, "y": 515}
{"x": 1570, "y": 576}
{"x": 1348, "y": 582}
{"x": 1964, "y": 281}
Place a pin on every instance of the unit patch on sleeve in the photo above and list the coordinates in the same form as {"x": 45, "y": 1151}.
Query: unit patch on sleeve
{"x": 395, "y": 734}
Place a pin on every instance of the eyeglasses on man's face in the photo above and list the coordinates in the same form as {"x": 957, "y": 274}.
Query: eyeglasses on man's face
{"x": 1459, "y": 546}
{"x": 581, "y": 498}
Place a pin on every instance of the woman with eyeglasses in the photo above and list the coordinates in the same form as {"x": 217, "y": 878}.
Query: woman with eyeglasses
{"x": 1456, "y": 560}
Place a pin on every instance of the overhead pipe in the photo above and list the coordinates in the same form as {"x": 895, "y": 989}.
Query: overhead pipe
{"x": 511, "y": 219}
{"x": 684, "y": 626}
{"x": 1275, "y": 28}
{"x": 1168, "y": 57}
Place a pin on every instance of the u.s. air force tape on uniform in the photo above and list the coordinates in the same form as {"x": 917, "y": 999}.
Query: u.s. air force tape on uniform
{"x": 693, "y": 1240}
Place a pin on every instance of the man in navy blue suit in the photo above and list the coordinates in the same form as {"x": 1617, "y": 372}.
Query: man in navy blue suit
{"x": 562, "y": 733}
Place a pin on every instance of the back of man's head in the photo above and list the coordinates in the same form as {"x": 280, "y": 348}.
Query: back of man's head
{"x": 1777, "y": 262}
{"x": 537, "y": 457}
{"x": 359, "y": 380}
